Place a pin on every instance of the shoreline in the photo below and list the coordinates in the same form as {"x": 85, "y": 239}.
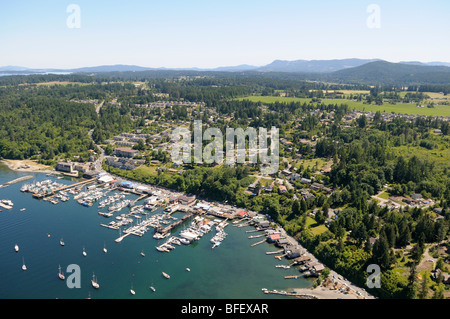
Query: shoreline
{"x": 320, "y": 292}
{"x": 30, "y": 166}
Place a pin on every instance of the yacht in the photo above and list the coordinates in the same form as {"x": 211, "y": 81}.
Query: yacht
{"x": 16, "y": 247}
{"x": 94, "y": 282}
{"x": 84, "y": 253}
{"x": 60, "y": 274}
{"x": 188, "y": 269}
{"x": 142, "y": 254}
{"x": 23, "y": 266}
{"x": 61, "y": 242}
{"x": 104, "y": 249}
{"x": 132, "y": 291}
{"x": 152, "y": 288}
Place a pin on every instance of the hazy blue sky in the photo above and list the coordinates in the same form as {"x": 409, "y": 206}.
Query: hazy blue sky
{"x": 199, "y": 33}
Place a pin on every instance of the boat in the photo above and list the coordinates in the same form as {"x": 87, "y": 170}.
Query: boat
{"x": 132, "y": 291}
{"x": 23, "y": 266}
{"x": 61, "y": 242}
{"x": 104, "y": 249}
{"x": 165, "y": 275}
{"x": 152, "y": 288}
{"x": 22, "y": 209}
{"x": 84, "y": 253}
{"x": 188, "y": 269}
{"x": 94, "y": 282}
{"x": 60, "y": 274}
{"x": 142, "y": 254}
{"x": 16, "y": 247}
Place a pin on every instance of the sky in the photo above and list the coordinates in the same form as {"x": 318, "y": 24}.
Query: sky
{"x": 213, "y": 33}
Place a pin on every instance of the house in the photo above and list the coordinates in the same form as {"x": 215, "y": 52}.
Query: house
{"x": 438, "y": 210}
{"x": 417, "y": 196}
{"x": 317, "y": 186}
{"x": 282, "y": 189}
{"x": 294, "y": 177}
{"x": 318, "y": 268}
{"x": 125, "y": 152}
{"x": 273, "y": 237}
{"x": 263, "y": 224}
{"x": 293, "y": 253}
{"x": 186, "y": 200}
{"x": 241, "y": 213}
{"x": 281, "y": 242}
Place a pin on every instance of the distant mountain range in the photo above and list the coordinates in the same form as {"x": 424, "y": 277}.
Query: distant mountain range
{"x": 367, "y": 71}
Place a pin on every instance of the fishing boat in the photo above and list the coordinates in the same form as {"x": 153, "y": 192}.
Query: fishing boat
{"x": 16, "y": 248}
{"x": 94, "y": 282}
{"x": 60, "y": 274}
{"x": 165, "y": 275}
{"x": 23, "y": 265}
{"x": 84, "y": 252}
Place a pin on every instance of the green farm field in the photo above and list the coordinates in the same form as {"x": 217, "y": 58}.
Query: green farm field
{"x": 438, "y": 110}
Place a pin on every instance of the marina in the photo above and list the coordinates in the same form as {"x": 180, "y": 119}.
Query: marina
{"x": 57, "y": 229}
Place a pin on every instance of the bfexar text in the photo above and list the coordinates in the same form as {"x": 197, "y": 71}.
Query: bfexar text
{"x": 230, "y": 308}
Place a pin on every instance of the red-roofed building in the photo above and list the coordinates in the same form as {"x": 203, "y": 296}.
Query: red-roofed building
{"x": 241, "y": 213}
{"x": 273, "y": 238}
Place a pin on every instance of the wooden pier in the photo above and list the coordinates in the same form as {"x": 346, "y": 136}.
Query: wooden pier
{"x": 260, "y": 242}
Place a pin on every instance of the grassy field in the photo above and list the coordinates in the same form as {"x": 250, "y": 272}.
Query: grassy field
{"x": 439, "y": 110}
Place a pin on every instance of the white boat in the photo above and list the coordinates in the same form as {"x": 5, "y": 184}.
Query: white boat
{"x": 165, "y": 275}
{"x": 104, "y": 249}
{"x": 61, "y": 242}
{"x": 94, "y": 282}
{"x": 84, "y": 253}
{"x": 22, "y": 209}
{"x": 16, "y": 247}
{"x": 23, "y": 264}
{"x": 132, "y": 291}
{"x": 188, "y": 269}
{"x": 60, "y": 274}
{"x": 142, "y": 254}
{"x": 152, "y": 288}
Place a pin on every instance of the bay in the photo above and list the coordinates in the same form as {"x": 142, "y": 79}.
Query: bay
{"x": 233, "y": 270}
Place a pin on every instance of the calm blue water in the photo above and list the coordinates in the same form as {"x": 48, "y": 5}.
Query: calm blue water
{"x": 234, "y": 270}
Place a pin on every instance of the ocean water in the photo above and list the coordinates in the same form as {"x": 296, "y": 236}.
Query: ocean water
{"x": 233, "y": 270}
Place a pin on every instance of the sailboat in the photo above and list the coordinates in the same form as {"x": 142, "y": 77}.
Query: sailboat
{"x": 132, "y": 291}
{"x": 84, "y": 253}
{"x": 61, "y": 242}
{"x": 94, "y": 282}
{"x": 165, "y": 275}
{"x": 16, "y": 248}
{"x": 23, "y": 266}
{"x": 60, "y": 274}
